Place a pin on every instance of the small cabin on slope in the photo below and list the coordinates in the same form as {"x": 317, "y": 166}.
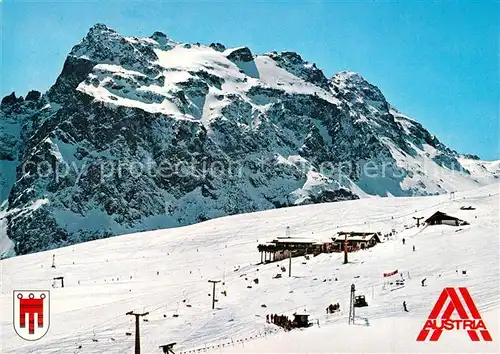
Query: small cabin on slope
{"x": 356, "y": 240}
{"x": 440, "y": 218}
{"x": 301, "y": 320}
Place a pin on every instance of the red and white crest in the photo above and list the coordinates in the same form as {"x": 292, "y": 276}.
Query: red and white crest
{"x": 31, "y": 313}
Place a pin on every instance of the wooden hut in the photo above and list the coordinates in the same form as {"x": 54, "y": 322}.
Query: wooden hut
{"x": 356, "y": 240}
{"x": 301, "y": 319}
{"x": 440, "y": 218}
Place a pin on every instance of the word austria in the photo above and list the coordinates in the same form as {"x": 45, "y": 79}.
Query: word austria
{"x": 474, "y": 326}
{"x": 454, "y": 324}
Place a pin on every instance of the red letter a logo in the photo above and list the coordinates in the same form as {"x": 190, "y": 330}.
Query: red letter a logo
{"x": 454, "y": 304}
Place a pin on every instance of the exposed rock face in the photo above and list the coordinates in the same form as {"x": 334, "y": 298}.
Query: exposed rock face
{"x": 33, "y": 95}
{"x": 11, "y": 100}
{"x": 145, "y": 133}
{"x": 293, "y": 63}
{"x": 240, "y": 54}
{"x": 218, "y": 46}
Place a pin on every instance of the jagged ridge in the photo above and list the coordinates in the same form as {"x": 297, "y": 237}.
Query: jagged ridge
{"x": 280, "y": 131}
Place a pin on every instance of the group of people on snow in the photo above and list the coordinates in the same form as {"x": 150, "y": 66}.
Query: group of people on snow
{"x": 281, "y": 320}
{"x": 333, "y": 308}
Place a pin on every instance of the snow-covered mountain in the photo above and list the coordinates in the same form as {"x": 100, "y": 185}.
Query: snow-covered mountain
{"x": 145, "y": 133}
{"x": 165, "y": 273}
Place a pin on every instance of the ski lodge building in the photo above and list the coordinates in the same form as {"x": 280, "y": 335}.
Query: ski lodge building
{"x": 355, "y": 240}
{"x": 439, "y": 218}
{"x": 281, "y": 248}
{"x": 284, "y": 247}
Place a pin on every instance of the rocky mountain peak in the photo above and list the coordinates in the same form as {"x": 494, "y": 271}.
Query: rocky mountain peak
{"x": 293, "y": 62}
{"x": 163, "y": 41}
{"x": 240, "y": 54}
{"x": 348, "y": 77}
{"x": 11, "y": 99}
{"x": 106, "y": 46}
{"x": 157, "y": 35}
{"x": 101, "y": 43}
{"x": 218, "y": 46}
{"x": 147, "y": 133}
{"x": 12, "y": 105}
{"x": 100, "y": 28}
{"x": 33, "y": 95}
{"x": 353, "y": 87}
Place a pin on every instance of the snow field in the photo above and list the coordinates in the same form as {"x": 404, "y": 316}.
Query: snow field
{"x": 164, "y": 271}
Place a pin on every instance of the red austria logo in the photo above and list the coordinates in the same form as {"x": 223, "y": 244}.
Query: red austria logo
{"x": 473, "y": 324}
{"x": 31, "y": 313}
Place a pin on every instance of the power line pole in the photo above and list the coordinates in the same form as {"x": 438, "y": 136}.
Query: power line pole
{"x": 290, "y": 254}
{"x": 345, "y": 249}
{"x": 290, "y": 264}
{"x": 351, "y": 304}
{"x": 213, "y": 294}
{"x": 137, "y": 334}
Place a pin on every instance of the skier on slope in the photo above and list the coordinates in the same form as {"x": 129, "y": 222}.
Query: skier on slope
{"x": 403, "y": 241}
{"x": 404, "y": 306}
{"x": 413, "y": 248}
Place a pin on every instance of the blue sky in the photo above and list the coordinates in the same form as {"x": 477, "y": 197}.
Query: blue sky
{"x": 435, "y": 61}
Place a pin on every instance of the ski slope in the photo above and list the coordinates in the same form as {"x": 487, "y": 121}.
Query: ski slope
{"x": 166, "y": 272}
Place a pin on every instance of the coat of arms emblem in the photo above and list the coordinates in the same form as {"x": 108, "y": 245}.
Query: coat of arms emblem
{"x": 31, "y": 313}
